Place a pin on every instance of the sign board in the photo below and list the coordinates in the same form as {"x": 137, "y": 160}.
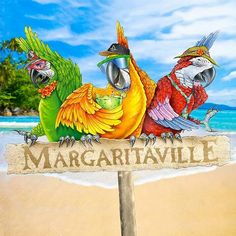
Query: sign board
{"x": 117, "y": 155}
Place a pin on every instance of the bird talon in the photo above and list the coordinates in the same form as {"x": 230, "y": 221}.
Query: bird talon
{"x": 67, "y": 139}
{"x": 144, "y": 138}
{"x": 163, "y": 136}
{"x": 28, "y": 136}
{"x": 178, "y": 137}
{"x": 96, "y": 138}
{"x": 72, "y": 139}
{"x": 153, "y": 138}
{"x": 170, "y": 135}
{"x": 89, "y": 139}
{"x": 61, "y": 141}
{"x": 132, "y": 140}
{"x": 83, "y": 140}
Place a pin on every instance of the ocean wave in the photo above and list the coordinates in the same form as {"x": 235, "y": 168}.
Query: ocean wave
{"x": 17, "y": 124}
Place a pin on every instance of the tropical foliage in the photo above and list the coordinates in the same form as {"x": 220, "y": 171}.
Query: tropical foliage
{"x": 16, "y": 89}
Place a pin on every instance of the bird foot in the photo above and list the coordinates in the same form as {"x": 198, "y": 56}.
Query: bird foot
{"x": 28, "y": 136}
{"x": 171, "y": 136}
{"x": 145, "y": 138}
{"x": 68, "y": 140}
{"x": 89, "y": 138}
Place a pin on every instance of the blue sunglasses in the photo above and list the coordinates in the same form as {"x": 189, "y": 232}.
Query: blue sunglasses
{"x": 121, "y": 61}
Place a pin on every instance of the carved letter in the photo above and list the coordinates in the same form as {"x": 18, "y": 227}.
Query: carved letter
{"x": 127, "y": 156}
{"x": 162, "y": 157}
{"x": 73, "y": 155}
{"x": 117, "y": 154}
{"x": 192, "y": 160}
{"x": 137, "y": 154}
{"x": 103, "y": 157}
{"x": 91, "y": 163}
{"x": 34, "y": 160}
{"x": 173, "y": 155}
{"x": 206, "y": 150}
{"x": 60, "y": 159}
{"x": 149, "y": 155}
{"x": 180, "y": 156}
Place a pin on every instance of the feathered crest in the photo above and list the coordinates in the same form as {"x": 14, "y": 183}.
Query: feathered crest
{"x": 120, "y": 35}
{"x": 208, "y": 41}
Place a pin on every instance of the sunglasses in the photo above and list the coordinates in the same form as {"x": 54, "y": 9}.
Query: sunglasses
{"x": 121, "y": 61}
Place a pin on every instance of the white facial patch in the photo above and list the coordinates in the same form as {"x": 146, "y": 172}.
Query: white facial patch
{"x": 47, "y": 71}
{"x": 186, "y": 75}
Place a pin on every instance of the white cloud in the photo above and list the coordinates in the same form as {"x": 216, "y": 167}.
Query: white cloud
{"x": 224, "y": 96}
{"x": 230, "y": 76}
{"x": 72, "y": 3}
{"x": 171, "y": 27}
{"x": 87, "y": 64}
{"x": 47, "y": 1}
{"x": 41, "y": 17}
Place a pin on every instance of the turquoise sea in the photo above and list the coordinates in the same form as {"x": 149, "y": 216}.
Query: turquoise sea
{"x": 223, "y": 121}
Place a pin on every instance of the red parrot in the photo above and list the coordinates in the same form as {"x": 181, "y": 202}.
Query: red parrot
{"x": 181, "y": 92}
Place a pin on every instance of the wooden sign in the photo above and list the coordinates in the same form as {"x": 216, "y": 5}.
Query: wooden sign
{"x": 117, "y": 155}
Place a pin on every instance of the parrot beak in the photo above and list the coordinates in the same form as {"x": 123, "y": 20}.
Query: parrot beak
{"x": 38, "y": 78}
{"x": 116, "y": 68}
{"x": 205, "y": 77}
{"x": 119, "y": 78}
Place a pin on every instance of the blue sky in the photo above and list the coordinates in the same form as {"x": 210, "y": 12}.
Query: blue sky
{"x": 157, "y": 32}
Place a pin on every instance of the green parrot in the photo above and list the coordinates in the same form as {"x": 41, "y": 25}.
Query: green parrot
{"x": 55, "y": 78}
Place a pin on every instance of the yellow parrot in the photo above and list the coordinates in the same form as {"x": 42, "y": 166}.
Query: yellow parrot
{"x": 114, "y": 112}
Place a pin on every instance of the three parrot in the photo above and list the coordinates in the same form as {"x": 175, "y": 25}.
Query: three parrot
{"x": 131, "y": 106}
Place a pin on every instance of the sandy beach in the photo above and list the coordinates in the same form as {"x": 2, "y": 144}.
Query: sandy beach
{"x": 199, "y": 204}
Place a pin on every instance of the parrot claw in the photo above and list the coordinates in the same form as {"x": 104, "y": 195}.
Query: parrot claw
{"x": 33, "y": 139}
{"x": 88, "y": 139}
{"x": 96, "y": 138}
{"x": 61, "y": 141}
{"x": 68, "y": 140}
{"x": 144, "y": 138}
{"x": 164, "y": 136}
{"x": 152, "y": 138}
{"x": 132, "y": 140}
{"x": 148, "y": 138}
{"x": 72, "y": 139}
{"x": 83, "y": 140}
{"x": 170, "y": 135}
{"x": 28, "y": 136}
{"x": 178, "y": 137}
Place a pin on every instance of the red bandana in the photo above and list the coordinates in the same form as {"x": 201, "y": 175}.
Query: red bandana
{"x": 47, "y": 90}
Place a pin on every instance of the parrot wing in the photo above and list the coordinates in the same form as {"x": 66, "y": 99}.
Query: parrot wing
{"x": 68, "y": 73}
{"x": 162, "y": 112}
{"x": 81, "y": 112}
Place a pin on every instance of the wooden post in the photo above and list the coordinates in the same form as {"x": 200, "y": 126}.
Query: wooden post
{"x": 127, "y": 206}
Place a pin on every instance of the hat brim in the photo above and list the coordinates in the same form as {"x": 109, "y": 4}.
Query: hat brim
{"x": 106, "y": 53}
{"x": 205, "y": 56}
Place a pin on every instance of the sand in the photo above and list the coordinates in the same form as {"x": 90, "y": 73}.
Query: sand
{"x": 201, "y": 204}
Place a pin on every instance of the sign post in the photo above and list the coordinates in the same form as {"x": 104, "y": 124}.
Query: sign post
{"x": 127, "y": 205}
{"x": 117, "y": 155}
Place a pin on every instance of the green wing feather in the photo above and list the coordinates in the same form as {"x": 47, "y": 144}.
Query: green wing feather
{"x": 67, "y": 73}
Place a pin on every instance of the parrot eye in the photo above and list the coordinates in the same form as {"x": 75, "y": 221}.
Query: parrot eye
{"x": 40, "y": 65}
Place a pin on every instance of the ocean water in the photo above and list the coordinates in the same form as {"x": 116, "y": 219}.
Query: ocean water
{"x": 224, "y": 122}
